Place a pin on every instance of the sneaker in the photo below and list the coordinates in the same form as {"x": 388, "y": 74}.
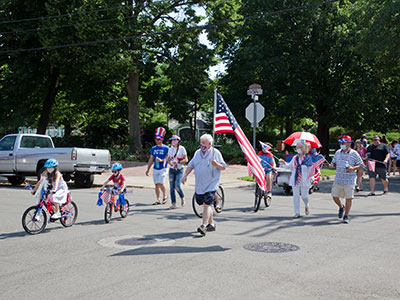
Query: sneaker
{"x": 202, "y": 230}
{"x": 296, "y": 216}
{"x": 346, "y": 220}
{"x": 211, "y": 227}
{"x": 341, "y": 212}
{"x": 307, "y": 211}
{"x": 56, "y": 216}
{"x": 269, "y": 195}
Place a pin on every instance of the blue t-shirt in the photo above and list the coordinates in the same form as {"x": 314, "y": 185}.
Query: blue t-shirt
{"x": 160, "y": 152}
{"x": 267, "y": 162}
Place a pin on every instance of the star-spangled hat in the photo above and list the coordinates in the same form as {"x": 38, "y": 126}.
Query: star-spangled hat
{"x": 160, "y": 132}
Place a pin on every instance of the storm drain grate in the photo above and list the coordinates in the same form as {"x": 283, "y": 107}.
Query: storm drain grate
{"x": 271, "y": 247}
{"x": 136, "y": 241}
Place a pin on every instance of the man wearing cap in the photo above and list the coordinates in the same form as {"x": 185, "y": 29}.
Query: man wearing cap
{"x": 346, "y": 161}
{"x": 158, "y": 155}
{"x": 379, "y": 153}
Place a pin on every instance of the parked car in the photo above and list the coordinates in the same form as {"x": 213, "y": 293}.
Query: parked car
{"x": 25, "y": 154}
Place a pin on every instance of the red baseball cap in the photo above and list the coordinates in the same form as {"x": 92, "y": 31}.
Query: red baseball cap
{"x": 345, "y": 139}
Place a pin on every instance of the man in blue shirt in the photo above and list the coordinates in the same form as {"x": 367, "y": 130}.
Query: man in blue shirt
{"x": 346, "y": 161}
{"x": 207, "y": 164}
{"x": 158, "y": 156}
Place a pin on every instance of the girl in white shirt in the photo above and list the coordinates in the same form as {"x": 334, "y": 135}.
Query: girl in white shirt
{"x": 177, "y": 156}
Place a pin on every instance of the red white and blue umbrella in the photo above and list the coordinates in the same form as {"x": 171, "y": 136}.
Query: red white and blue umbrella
{"x": 302, "y": 135}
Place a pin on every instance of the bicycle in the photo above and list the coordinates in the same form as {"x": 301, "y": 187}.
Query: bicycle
{"x": 111, "y": 202}
{"x": 34, "y": 219}
{"x": 198, "y": 209}
{"x": 259, "y": 195}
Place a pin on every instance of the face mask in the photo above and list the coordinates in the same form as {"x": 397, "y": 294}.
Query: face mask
{"x": 203, "y": 147}
{"x": 299, "y": 151}
{"x": 50, "y": 170}
{"x": 343, "y": 147}
{"x": 174, "y": 142}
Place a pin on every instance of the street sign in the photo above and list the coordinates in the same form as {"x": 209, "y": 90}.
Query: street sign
{"x": 254, "y": 89}
{"x": 260, "y": 112}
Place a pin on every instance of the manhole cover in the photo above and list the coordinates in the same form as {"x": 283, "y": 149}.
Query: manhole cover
{"x": 271, "y": 247}
{"x": 136, "y": 241}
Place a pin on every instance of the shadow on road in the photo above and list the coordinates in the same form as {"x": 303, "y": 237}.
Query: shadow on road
{"x": 171, "y": 250}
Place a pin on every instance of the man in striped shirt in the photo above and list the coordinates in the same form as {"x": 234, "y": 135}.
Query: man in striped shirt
{"x": 346, "y": 161}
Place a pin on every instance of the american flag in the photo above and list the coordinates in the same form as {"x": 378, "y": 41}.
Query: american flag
{"x": 371, "y": 165}
{"x": 317, "y": 160}
{"x": 225, "y": 122}
{"x": 105, "y": 196}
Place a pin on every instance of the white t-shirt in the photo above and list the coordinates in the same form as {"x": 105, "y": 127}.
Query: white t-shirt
{"x": 176, "y": 154}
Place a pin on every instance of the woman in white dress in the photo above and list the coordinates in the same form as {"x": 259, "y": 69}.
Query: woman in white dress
{"x": 59, "y": 188}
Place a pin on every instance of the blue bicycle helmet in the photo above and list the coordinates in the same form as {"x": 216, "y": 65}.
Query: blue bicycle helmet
{"x": 116, "y": 166}
{"x": 51, "y": 163}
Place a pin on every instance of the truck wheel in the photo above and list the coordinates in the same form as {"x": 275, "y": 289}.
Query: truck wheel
{"x": 16, "y": 180}
{"x": 84, "y": 180}
{"x": 39, "y": 173}
{"x": 286, "y": 190}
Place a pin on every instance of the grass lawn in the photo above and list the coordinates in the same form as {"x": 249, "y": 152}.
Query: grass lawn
{"x": 324, "y": 172}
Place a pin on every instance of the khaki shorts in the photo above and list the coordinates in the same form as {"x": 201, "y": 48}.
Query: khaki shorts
{"x": 343, "y": 191}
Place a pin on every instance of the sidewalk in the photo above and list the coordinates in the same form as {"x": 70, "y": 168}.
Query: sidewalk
{"x": 134, "y": 173}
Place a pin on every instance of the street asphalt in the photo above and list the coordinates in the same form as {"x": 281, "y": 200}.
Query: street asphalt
{"x": 156, "y": 253}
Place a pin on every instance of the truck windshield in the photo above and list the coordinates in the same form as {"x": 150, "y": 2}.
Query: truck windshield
{"x": 7, "y": 143}
{"x": 35, "y": 142}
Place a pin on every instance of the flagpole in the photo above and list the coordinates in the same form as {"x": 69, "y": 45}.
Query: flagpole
{"x": 213, "y": 133}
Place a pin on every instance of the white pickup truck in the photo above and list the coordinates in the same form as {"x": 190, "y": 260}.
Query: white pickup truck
{"x": 25, "y": 154}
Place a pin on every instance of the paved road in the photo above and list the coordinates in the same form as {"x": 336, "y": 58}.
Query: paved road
{"x": 334, "y": 261}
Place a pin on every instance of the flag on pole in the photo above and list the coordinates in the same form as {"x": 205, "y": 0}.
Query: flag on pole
{"x": 225, "y": 122}
{"x": 105, "y": 196}
{"x": 371, "y": 165}
{"x": 265, "y": 146}
{"x": 317, "y": 160}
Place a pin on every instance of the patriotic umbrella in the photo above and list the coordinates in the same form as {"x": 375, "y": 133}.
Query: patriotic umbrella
{"x": 307, "y": 136}
{"x": 224, "y": 121}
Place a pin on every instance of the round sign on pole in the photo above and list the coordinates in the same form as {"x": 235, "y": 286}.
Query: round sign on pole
{"x": 254, "y": 89}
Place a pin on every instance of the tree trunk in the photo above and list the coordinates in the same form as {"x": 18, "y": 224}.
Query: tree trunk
{"x": 323, "y": 127}
{"x": 132, "y": 89}
{"x": 49, "y": 101}
{"x": 323, "y": 136}
{"x": 288, "y": 126}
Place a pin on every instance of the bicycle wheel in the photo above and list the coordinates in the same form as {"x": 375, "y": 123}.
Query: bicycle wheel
{"x": 68, "y": 217}
{"x": 198, "y": 209}
{"x": 124, "y": 210}
{"x": 257, "y": 199}
{"x": 34, "y": 220}
{"x": 267, "y": 201}
{"x": 108, "y": 212}
{"x": 221, "y": 195}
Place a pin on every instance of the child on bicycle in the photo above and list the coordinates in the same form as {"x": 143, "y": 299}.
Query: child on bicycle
{"x": 59, "y": 188}
{"x": 268, "y": 163}
{"x": 119, "y": 183}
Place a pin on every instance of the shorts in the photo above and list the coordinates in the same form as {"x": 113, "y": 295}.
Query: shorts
{"x": 207, "y": 198}
{"x": 398, "y": 163}
{"x": 343, "y": 191}
{"x": 378, "y": 171}
{"x": 159, "y": 176}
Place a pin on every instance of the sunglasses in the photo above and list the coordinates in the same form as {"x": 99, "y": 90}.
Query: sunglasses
{"x": 114, "y": 171}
